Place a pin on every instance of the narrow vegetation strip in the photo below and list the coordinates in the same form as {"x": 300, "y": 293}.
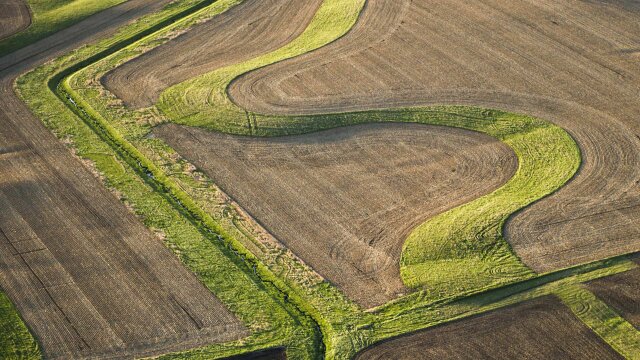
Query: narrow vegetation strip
{"x": 605, "y": 322}
{"x": 16, "y": 342}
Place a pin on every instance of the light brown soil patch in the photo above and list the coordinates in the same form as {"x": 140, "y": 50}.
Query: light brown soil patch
{"x": 247, "y": 30}
{"x": 14, "y": 16}
{"x": 538, "y": 329}
{"x": 86, "y": 276}
{"x": 622, "y": 293}
{"x": 572, "y": 62}
{"x": 344, "y": 200}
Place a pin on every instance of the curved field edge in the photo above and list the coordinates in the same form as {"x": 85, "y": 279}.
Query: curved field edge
{"x": 48, "y": 17}
{"x": 16, "y": 342}
{"x": 461, "y": 250}
{"x": 257, "y": 297}
{"x": 351, "y": 329}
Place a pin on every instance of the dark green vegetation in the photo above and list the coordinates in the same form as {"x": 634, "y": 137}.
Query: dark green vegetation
{"x": 281, "y": 300}
{"x": 15, "y": 340}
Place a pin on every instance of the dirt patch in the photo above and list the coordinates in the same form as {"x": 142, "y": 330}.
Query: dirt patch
{"x": 14, "y": 17}
{"x": 85, "y": 274}
{"x": 245, "y": 31}
{"x": 538, "y": 329}
{"x": 571, "y": 62}
{"x": 622, "y": 293}
{"x": 344, "y": 200}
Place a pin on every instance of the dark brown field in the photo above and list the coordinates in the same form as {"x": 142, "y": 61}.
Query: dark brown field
{"x": 247, "y": 30}
{"x": 622, "y": 293}
{"x": 573, "y": 62}
{"x": 272, "y": 354}
{"x": 14, "y": 16}
{"x": 344, "y": 200}
{"x": 87, "y": 277}
{"x": 537, "y": 329}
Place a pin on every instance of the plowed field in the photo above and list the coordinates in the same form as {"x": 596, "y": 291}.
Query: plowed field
{"x": 571, "y": 62}
{"x": 14, "y": 16}
{"x": 87, "y": 277}
{"x": 249, "y": 29}
{"x": 344, "y": 200}
{"x": 537, "y": 329}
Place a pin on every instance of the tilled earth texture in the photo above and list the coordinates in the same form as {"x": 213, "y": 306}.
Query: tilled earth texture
{"x": 87, "y": 277}
{"x": 344, "y": 200}
{"x": 245, "y": 31}
{"x": 622, "y": 293}
{"x": 14, "y": 16}
{"x": 573, "y": 62}
{"x": 537, "y": 329}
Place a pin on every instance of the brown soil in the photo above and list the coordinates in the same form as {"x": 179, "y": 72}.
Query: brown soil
{"x": 572, "y": 62}
{"x": 245, "y": 31}
{"x": 538, "y": 329}
{"x": 344, "y": 200}
{"x": 622, "y": 293}
{"x": 87, "y": 277}
{"x": 14, "y": 16}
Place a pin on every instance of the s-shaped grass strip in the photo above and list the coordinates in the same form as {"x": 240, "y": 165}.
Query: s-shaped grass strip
{"x": 459, "y": 251}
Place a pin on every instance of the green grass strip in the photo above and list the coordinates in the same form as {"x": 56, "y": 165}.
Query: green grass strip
{"x": 459, "y": 251}
{"x": 16, "y": 342}
{"x": 604, "y": 321}
{"x": 51, "y": 16}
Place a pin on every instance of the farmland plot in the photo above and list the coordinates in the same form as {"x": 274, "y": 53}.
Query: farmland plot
{"x": 542, "y": 328}
{"x": 571, "y": 62}
{"x": 86, "y": 276}
{"x": 14, "y": 16}
{"x": 251, "y": 28}
{"x": 344, "y": 200}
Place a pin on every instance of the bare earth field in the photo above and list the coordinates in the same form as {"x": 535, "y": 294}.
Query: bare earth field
{"x": 247, "y": 30}
{"x": 622, "y": 293}
{"x": 344, "y": 200}
{"x": 87, "y": 277}
{"x": 14, "y": 16}
{"x": 573, "y": 62}
{"x": 542, "y": 328}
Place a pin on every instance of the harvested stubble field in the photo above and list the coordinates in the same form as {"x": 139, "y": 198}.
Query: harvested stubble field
{"x": 344, "y": 200}
{"x": 542, "y": 328}
{"x": 14, "y": 17}
{"x": 622, "y": 293}
{"x": 87, "y": 277}
{"x": 572, "y": 62}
